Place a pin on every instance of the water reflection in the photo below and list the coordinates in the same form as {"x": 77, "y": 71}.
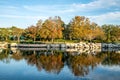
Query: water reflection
{"x": 53, "y": 61}
{"x": 112, "y": 58}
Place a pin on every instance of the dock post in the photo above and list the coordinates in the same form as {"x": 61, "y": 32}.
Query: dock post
{"x": 9, "y": 45}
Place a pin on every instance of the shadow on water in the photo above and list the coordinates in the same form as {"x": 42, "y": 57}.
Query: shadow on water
{"x": 52, "y": 61}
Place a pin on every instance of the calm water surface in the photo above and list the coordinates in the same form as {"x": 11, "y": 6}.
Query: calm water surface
{"x": 58, "y": 65}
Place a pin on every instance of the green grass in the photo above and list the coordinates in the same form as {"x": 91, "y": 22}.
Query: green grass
{"x": 66, "y": 41}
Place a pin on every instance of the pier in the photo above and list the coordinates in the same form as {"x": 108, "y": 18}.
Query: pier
{"x": 69, "y": 46}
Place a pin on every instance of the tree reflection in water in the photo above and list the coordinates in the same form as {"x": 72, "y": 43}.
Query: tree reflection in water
{"x": 54, "y": 61}
{"x": 112, "y": 58}
{"x": 50, "y": 62}
{"x": 4, "y": 55}
{"x": 81, "y": 64}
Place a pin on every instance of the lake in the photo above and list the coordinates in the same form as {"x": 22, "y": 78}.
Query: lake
{"x": 55, "y": 64}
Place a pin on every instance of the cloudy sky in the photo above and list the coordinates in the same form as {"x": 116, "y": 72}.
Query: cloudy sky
{"x": 23, "y": 13}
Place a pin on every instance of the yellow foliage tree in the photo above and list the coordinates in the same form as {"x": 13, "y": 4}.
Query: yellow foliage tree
{"x": 52, "y": 28}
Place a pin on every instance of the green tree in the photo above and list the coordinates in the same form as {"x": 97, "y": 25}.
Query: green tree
{"x": 115, "y": 33}
{"x": 107, "y": 30}
{"x": 66, "y": 31}
{"x": 5, "y": 32}
{"x": 112, "y": 32}
{"x": 17, "y": 32}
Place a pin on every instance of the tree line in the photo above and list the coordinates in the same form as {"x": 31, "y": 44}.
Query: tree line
{"x": 79, "y": 28}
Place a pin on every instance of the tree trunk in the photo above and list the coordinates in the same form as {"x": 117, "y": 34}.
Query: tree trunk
{"x": 6, "y": 38}
{"x": 52, "y": 40}
{"x": 79, "y": 39}
{"x": 70, "y": 38}
{"x": 34, "y": 52}
{"x": 34, "y": 39}
{"x": 18, "y": 38}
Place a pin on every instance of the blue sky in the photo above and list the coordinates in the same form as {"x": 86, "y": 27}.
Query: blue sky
{"x": 23, "y": 13}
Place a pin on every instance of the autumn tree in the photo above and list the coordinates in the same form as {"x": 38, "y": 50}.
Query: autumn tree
{"x": 38, "y": 27}
{"x": 52, "y": 28}
{"x": 94, "y": 31}
{"x": 33, "y": 31}
{"x": 82, "y": 29}
{"x": 76, "y": 27}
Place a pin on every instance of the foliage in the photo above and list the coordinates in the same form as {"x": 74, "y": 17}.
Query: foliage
{"x": 33, "y": 31}
{"x": 112, "y": 33}
{"x": 4, "y": 33}
{"x": 16, "y": 32}
{"x": 52, "y": 28}
{"x": 79, "y": 28}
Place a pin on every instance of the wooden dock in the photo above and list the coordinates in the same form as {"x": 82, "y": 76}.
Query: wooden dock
{"x": 59, "y": 45}
{"x": 41, "y": 45}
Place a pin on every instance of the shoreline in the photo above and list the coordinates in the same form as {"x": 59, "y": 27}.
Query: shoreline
{"x": 62, "y": 45}
{"x": 81, "y": 47}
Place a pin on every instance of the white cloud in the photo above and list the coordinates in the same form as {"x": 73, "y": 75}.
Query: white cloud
{"x": 8, "y": 7}
{"x": 74, "y": 8}
{"x": 111, "y": 68}
{"x": 56, "y": 9}
{"x": 107, "y": 18}
{"x": 12, "y": 7}
{"x": 65, "y": 11}
{"x": 98, "y": 4}
{"x": 24, "y": 17}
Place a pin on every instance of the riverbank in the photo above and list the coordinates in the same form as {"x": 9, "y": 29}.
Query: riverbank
{"x": 80, "y": 45}
{"x": 60, "y": 45}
